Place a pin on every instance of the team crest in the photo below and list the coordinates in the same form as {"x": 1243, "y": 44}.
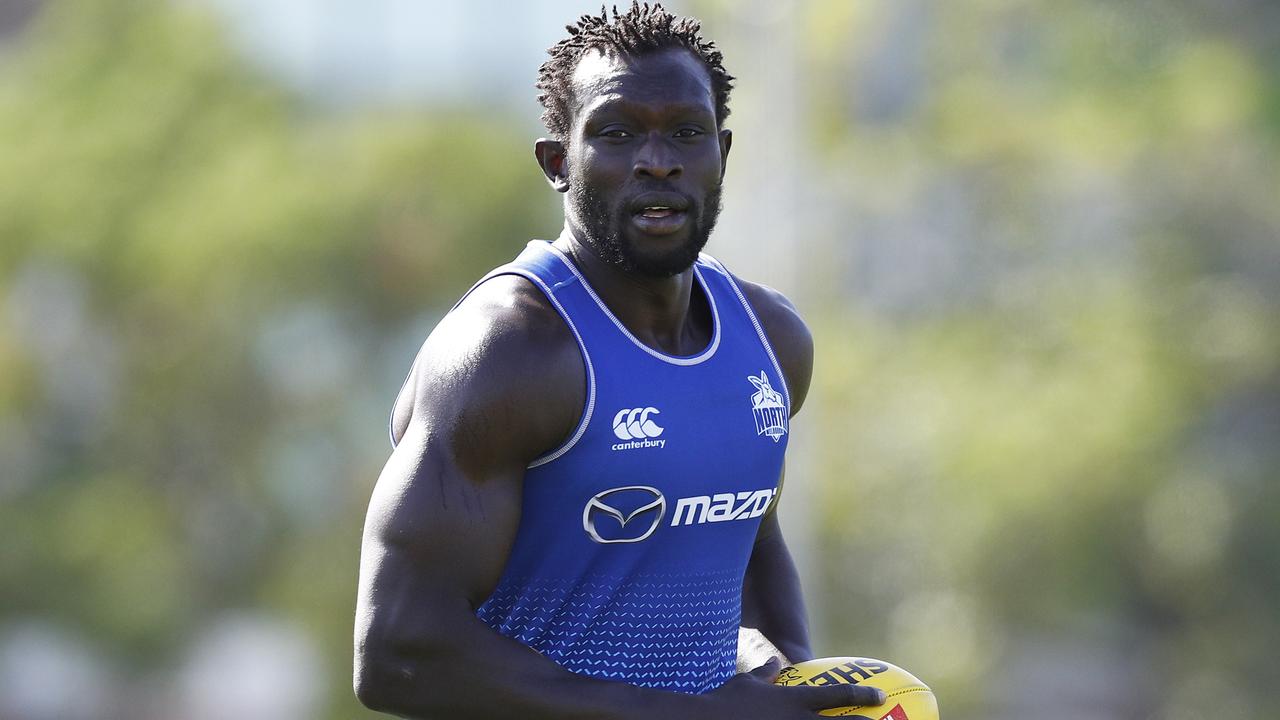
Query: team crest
{"x": 769, "y": 409}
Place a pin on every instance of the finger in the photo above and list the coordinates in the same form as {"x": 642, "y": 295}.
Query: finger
{"x": 768, "y": 672}
{"x": 834, "y": 696}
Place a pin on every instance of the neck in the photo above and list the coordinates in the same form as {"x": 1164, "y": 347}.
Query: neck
{"x": 662, "y": 312}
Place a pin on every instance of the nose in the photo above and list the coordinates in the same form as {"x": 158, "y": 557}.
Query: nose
{"x": 657, "y": 158}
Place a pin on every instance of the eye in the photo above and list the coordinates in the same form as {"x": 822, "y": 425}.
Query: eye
{"x": 688, "y": 132}
{"x": 615, "y": 133}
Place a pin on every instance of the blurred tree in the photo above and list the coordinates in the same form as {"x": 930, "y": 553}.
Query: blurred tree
{"x": 203, "y": 280}
{"x": 1050, "y": 369}
{"x": 1044, "y": 284}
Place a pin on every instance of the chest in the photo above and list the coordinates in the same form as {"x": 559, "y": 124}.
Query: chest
{"x": 673, "y": 458}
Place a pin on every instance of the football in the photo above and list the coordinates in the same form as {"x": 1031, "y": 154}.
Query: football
{"x": 908, "y": 698}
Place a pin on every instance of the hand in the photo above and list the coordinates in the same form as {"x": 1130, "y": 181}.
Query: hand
{"x": 753, "y": 696}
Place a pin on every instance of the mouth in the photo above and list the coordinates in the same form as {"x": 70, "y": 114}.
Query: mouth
{"x": 657, "y": 211}
{"x": 660, "y": 213}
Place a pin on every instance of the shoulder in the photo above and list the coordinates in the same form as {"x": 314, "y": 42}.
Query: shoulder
{"x": 788, "y": 334}
{"x": 502, "y": 363}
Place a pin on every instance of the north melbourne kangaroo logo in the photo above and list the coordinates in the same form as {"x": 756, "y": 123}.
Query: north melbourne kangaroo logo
{"x": 769, "y": 410}
{"x": 637, "y": 425}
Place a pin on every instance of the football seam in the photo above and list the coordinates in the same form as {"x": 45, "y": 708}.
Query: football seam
{"x": 895, "y": 693}
{"x": 904, "y": 691}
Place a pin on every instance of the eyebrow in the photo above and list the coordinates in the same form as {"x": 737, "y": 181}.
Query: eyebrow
{"x": 619, "y": 103}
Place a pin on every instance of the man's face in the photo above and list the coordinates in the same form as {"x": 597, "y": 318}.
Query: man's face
{"x": 645, "y": 160}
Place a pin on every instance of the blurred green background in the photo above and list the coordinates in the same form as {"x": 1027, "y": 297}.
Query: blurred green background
{"x": 1038, "y": 244}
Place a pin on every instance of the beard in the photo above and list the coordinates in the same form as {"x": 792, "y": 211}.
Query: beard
{"x": 602, "y": 228}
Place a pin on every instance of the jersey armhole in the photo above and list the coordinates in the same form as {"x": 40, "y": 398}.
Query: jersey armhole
{"x": 755, "y": 322}
{"x": 590, "y": 405}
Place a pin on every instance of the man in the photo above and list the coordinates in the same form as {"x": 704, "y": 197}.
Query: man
{"x": 578, "y": 514}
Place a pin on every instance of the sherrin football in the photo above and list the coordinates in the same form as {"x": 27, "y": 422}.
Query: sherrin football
{"x": 908, "y": 698}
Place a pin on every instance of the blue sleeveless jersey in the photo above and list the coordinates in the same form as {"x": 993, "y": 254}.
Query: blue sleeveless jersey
{"x": 635, "y": 534}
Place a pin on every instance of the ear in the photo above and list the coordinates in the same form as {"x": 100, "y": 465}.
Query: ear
{"x": 551, "y": 158}
{"x": 726, "y": 142}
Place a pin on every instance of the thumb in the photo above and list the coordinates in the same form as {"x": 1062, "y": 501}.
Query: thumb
{"x": 768, "y": 672}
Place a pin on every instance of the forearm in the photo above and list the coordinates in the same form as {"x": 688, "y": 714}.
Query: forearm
{"x": 473, "y": 672}
{"x": 772, "y": 600}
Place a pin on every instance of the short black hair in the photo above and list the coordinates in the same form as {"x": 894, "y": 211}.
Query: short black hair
{"x": 641, "y": 30}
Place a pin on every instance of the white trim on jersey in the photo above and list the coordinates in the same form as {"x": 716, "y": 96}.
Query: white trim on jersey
{"x": 701, "y": 357}
{"x": 591, "y": 375}
{"x": 588, "y": 410}
{"x": 764, "y": 339}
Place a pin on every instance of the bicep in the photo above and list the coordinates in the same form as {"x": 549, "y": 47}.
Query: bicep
{"x": 426, "y": 514}
{"x": 446, "y": 507}
{"x": 434, "y": 547}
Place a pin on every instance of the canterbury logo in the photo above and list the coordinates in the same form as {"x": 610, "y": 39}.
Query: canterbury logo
{"x": 634, "y": 424}
{"x": 624, "y": 515}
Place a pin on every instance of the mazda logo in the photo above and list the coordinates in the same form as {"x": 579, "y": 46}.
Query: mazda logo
{"x": 623, "y": 515}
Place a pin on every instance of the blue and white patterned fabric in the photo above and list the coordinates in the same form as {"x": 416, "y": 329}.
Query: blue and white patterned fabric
{"x": 635, "y": 534}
